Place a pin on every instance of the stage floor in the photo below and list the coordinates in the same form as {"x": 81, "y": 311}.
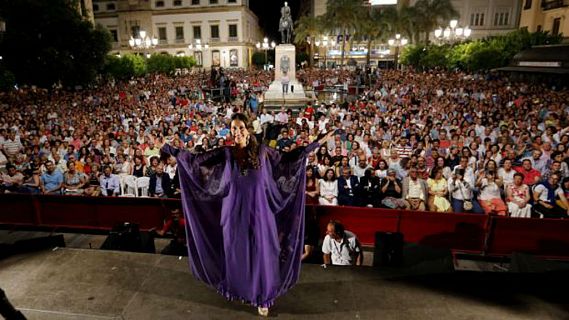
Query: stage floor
{"x": 92, "y": 284}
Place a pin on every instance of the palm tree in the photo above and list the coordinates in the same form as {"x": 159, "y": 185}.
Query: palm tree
{"x": 342, "y": 16}
{"x": 431, "y": 13}
{"x": 306, "y": 31}
{"x": 372, "y": 26}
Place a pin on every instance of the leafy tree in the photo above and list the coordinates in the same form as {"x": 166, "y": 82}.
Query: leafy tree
{"x": 372, "y": 26}
{"x": 48, "y": 42}
{"x": 308, "y": 27}
{"x": 342, "y": 16}
{"x": 430, "y": 13}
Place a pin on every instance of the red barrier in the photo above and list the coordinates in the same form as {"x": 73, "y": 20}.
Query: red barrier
{"x": 444, "y": 230}
{"x": 364, "y": 222}
{"x": 466, "y": 232}
{"x": 545, "y": 237}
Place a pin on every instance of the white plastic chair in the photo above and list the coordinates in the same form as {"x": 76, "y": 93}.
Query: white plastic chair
{"x": 143, "y": 184}
{"x": 128, "y": 186}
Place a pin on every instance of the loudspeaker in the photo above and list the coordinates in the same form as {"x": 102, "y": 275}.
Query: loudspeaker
{"x": 388, "y": 250}
{"x": 127, "y": 237}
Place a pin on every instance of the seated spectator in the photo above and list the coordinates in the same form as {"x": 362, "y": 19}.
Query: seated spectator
{"x": 311, "y": 186}
{"x": 11, "y": 181}
{"x": 565, "y": 189}
{"x": 348, "y": 187}
{"x": 506, "y": 173}
{"x": 531, "y": 175}
{"x": 73, "y": 181}
{"x": 110, "y": 184}
{"x": 51, "y": 180}
{"x": 391, "y": 191}
{"x": 461, "y": 191}
{"x": 160, "y": 184}
{"x": 415, "y": 191}
{"x": 138, "y": 168}
{"x": 517, "y": 198}
{"x": 360, "y": 170}
{"x": 438, "y": 191}
{"x": 368, "y": 190}
{"x": 545, "y": 194}
{"x": 490, "y": 197}
{"x": 93, "y": 187}
{"x": 31, "y": 181}
{"x": 328, "y": 187}
{"x": 341, "y": 247}
{"x": 154, "y": 161}
{"x": 171, "y": 167}
{"x": 325, "y": 165}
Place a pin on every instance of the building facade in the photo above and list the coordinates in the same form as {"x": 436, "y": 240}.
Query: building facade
{"x": 546, "y": 15}
{"x": 226, "y": 30}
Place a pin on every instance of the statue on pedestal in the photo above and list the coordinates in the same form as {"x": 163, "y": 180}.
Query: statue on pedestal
{"x": 286, "y": 24}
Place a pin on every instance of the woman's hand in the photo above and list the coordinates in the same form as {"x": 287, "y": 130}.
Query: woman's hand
{"x": 329, "y": 135}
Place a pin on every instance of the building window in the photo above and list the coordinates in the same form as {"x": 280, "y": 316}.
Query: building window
{"x": 177, "y": 3}
{"x": 501, "y": 18}
{"x": 95, "y": 7}
{"x": 195, "y": 2}
{"x": 114, "y": 35}
{"x": 162, "y": 36}
{"x": 159, "y": 4}
{"x": 198, "y": 55}
{"x": 233, "y": 58}
{"x": 232, "y": 31}
{"x": 556, "y": 26}
{"x": 179, "y": 34}
{"x": 214, "y": 31}
{"x": 135, "y": 31}
{"x": 111, "y": 6}
{"x": 231, "y": 1}
{"x": 477, "y": 19}
{"x": 215, "y": 58}
{"x": 197, "y": 32}
{"x": 527, "y": 5}
{"x": 213, "y": 1}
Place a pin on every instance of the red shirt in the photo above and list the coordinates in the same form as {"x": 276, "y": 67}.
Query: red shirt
{"x": 529, "y": 176}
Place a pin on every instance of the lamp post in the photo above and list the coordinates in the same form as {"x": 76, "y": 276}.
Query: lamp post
{"x": 453, "y": 32}
{"x": 142, "y": 42}
{"x": 266, "y": 46}
{"x": 397, "y": 43}
{"x": 325, "y": 43}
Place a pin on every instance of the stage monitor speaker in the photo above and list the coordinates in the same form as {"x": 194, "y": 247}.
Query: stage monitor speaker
{"x": 126, "y": 236}
{"x": 388, "y": 250}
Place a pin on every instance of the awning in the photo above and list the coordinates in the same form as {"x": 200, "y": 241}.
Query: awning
{"x": 534, "y": 70}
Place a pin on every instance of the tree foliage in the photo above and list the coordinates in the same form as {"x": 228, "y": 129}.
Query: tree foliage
{"x": 489, "y": 53}
{"x": 48, "y": 42}
{"x": 131, "y": 65}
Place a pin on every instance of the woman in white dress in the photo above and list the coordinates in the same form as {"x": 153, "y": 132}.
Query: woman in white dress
{"x": 517, "y": 197}
{"x": 328, "y": 189}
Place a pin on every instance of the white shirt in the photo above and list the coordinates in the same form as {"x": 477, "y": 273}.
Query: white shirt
{"x": 463, "y": 189}
{"x": 342, "y": 253}
{"x": 328, "y": 188}
{"x": 507, "y": 176}
{"x": 542, "y": 190}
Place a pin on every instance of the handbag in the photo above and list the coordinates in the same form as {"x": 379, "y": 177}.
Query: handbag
{"x": 467, "y": 204}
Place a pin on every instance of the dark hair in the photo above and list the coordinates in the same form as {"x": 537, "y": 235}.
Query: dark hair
{"x": 252, "y": 148}
{"x": 325, "y": 177}
{"x": 338, "y": 228}
{"x": 435, "y": 171}
{"x": 517, "y": 174}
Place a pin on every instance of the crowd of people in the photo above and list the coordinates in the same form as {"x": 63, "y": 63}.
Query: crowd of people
{"x": 427, "y": 141}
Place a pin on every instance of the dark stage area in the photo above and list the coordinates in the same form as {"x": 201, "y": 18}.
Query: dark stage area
{"x": 68, "y": 283}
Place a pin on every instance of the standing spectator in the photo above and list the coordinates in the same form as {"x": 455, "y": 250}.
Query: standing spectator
{"x": 160, "y": 184}
{"x": 328, "y": 187}
{"x": 341, "y": 247}
{"x": 311, "y": 186}
{"x": 517, "y": 198}
{"x": 51, "y": 180}
{"x": 110, "y": 184}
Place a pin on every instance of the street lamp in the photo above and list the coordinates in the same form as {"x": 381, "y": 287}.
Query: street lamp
{"x": 198, "y": 46}
{"x": 142, "y": 42}
{"x": 397, "y": 43}
{"x": 325, "y": 43}
{"x": 452, "y": 32}
{"x": 266, "y": 46}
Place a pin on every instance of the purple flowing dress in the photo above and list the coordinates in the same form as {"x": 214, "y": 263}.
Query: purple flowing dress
{"x": 245, "y": 231}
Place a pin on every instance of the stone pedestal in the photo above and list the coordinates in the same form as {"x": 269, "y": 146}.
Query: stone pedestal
{"x": 285, "y": 52}
{"x": 275, "y": 97}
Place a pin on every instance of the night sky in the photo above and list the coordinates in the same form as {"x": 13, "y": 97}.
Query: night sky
{"x": 269, "y": 13}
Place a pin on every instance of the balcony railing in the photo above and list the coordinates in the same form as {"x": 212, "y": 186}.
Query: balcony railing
{"x": 554, "y": 4}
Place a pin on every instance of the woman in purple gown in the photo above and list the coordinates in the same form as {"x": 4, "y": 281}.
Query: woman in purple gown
{"x": 245, "y": 211}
